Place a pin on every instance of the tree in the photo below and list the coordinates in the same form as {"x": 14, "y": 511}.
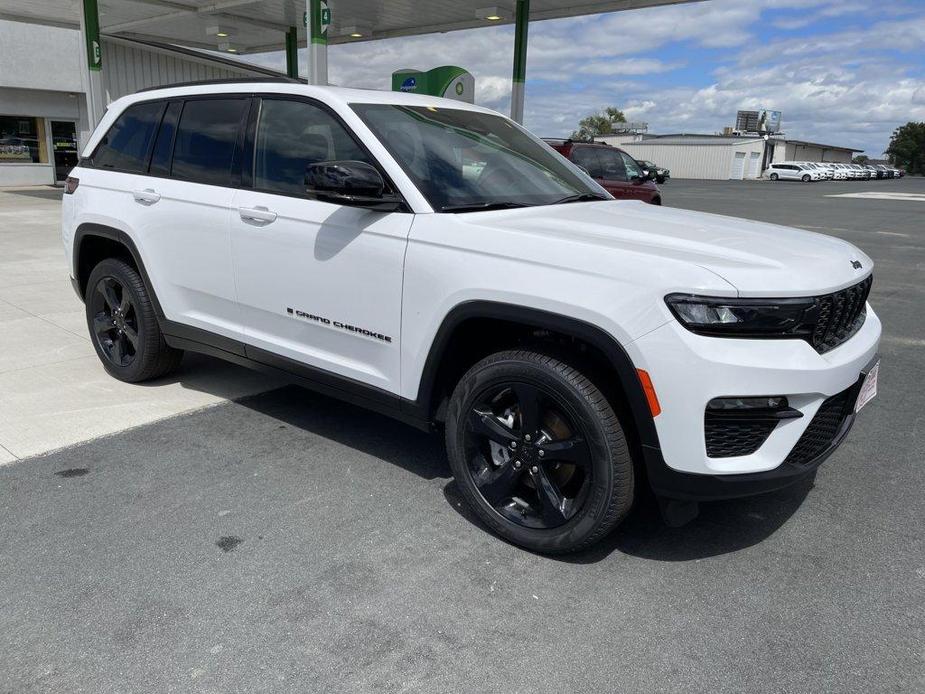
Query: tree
{"x": 907, "y": 147}
{"x": 861, "y": 159}
{"x": 598, "y": 124}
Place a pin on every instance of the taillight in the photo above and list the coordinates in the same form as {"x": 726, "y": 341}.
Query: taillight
{"x": 70, "y": 185}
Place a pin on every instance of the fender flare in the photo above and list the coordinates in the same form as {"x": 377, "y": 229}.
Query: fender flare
{"x": 613, "y": 351}
{"x": 90, "y": 229}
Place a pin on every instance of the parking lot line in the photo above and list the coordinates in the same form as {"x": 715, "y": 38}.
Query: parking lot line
{"x": 882, "y": 195}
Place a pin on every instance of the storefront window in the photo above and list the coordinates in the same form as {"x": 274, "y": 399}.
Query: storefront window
{"x": 22, "y": 140}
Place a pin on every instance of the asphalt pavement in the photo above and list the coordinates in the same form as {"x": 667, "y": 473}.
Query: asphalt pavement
{"x": 289, "y": 542}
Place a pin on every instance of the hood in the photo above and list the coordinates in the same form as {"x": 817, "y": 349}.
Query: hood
{"x": 758, "y": 259}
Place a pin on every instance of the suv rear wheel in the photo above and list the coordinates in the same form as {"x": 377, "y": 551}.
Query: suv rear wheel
{"x": 538, "y": 453}
{"x": 123, "y": 326}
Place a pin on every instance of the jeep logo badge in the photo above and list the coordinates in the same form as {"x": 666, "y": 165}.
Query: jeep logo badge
{"x": 856, "y": 264}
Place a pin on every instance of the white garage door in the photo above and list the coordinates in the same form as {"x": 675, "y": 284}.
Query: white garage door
{"x": 753, "y": 164}
{"x": 738, "y": 167}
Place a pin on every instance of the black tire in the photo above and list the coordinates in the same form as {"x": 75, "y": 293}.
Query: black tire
{"x": 593, "y": 494}
{"x": 773, "y": 176}
{"x": 117, "y": 307}
{"x": 805, "y": 178}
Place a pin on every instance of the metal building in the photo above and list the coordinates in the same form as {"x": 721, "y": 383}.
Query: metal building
{"x": 786, "y": 149}
{"x": 723, "y": 157}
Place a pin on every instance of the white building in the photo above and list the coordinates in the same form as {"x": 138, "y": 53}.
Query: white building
{"x": 722, "y": 157}
{"x": 43, "y": 106}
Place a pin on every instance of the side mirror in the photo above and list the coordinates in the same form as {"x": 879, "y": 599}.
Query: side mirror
{"x": 349, "y": 182}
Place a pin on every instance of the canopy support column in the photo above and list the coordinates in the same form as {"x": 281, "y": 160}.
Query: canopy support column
{"x": 317, "y": 44}
{"x": 92, "y": 62}
{"x": 521, "y": 25}
{"x": 292, "y": 53}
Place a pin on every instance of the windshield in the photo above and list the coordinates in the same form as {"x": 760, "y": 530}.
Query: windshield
{"x": 464, "y": 160}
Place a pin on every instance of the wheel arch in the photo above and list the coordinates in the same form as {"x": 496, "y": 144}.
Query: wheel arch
{"x": 441, "y": 367}
{"x": 95, "y": 242}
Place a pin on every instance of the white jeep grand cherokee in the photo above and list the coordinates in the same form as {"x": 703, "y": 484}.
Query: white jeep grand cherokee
{"x": 435, "y": 261}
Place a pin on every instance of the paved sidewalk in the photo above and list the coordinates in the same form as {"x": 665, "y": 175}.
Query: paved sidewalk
{"x": 53, "y": 391}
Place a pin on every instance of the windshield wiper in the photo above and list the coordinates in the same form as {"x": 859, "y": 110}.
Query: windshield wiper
{"x": 579, "y": 197}
{"x": 483, "y": 206}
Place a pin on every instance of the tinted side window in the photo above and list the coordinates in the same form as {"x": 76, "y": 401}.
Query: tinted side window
{"x": 614, "y": 169}
{"x": 163, "y": 145}
{"x": 125, "y": 147}
{"x": 205, "y": 141}
{"x": 586, "y": 157}
{"x": 290, "y": 136}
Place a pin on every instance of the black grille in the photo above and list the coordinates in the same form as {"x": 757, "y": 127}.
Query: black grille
{"x": 726, "y": 437}
{"x": 822, "y": 430}
{"x": 840, "y": 315}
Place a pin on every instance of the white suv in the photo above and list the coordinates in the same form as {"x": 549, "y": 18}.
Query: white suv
{"x": 435, "y": 261}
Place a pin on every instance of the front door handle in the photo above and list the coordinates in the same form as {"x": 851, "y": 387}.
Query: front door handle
{"x": 146, "y": 196}
{"x": 257, "y": 215}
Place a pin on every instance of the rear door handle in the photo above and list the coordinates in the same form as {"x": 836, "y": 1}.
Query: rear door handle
{"x": 146, "y": 196}
{"x": 257, "y": 215}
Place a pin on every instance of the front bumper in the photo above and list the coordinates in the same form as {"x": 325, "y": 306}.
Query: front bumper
{"x": 689, "y": 370}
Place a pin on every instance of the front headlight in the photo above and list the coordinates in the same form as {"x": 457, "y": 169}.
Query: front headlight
{"x": 758, "y": 318}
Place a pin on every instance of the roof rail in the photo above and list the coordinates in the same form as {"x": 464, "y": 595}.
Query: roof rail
{"x": 232, "y": 80}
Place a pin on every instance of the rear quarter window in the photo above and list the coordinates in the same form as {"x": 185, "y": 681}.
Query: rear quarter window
{"x": 127, "y": 144}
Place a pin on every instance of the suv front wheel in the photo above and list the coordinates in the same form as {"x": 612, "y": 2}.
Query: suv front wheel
{"x": 538, "y": 453}
{"x": 123, "y": 326}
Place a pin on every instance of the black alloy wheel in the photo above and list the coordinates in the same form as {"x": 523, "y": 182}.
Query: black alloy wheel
{"x": 123, "y": 324}
{"x": 115, "y": 321}
{"x": 528, "y": 456}
{"x": 538, "y": 452}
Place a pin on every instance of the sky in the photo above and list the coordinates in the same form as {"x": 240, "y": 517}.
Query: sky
{"x": 843, "y": 72}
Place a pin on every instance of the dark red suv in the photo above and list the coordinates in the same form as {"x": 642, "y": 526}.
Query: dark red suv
{"x": 613, "y": 168}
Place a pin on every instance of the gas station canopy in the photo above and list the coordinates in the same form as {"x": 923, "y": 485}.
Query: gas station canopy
{"x": 253, "y": 26}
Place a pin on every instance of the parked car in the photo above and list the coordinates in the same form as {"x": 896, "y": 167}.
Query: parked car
{"x": 828, "y": 171}
{"x": 853, "y": 173}
{"x": 657, "y": 172}
{"x": 610, "y": 167}
{"x": 863, "y": 172}
{"x": 838, "y": 173}
{"x": 832, "y": 172}
{"x": 794, "y": 172}
{"x": 811, "y": 165}
{"x": 888, "y": 172}
{"x": 434, "y": 261}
